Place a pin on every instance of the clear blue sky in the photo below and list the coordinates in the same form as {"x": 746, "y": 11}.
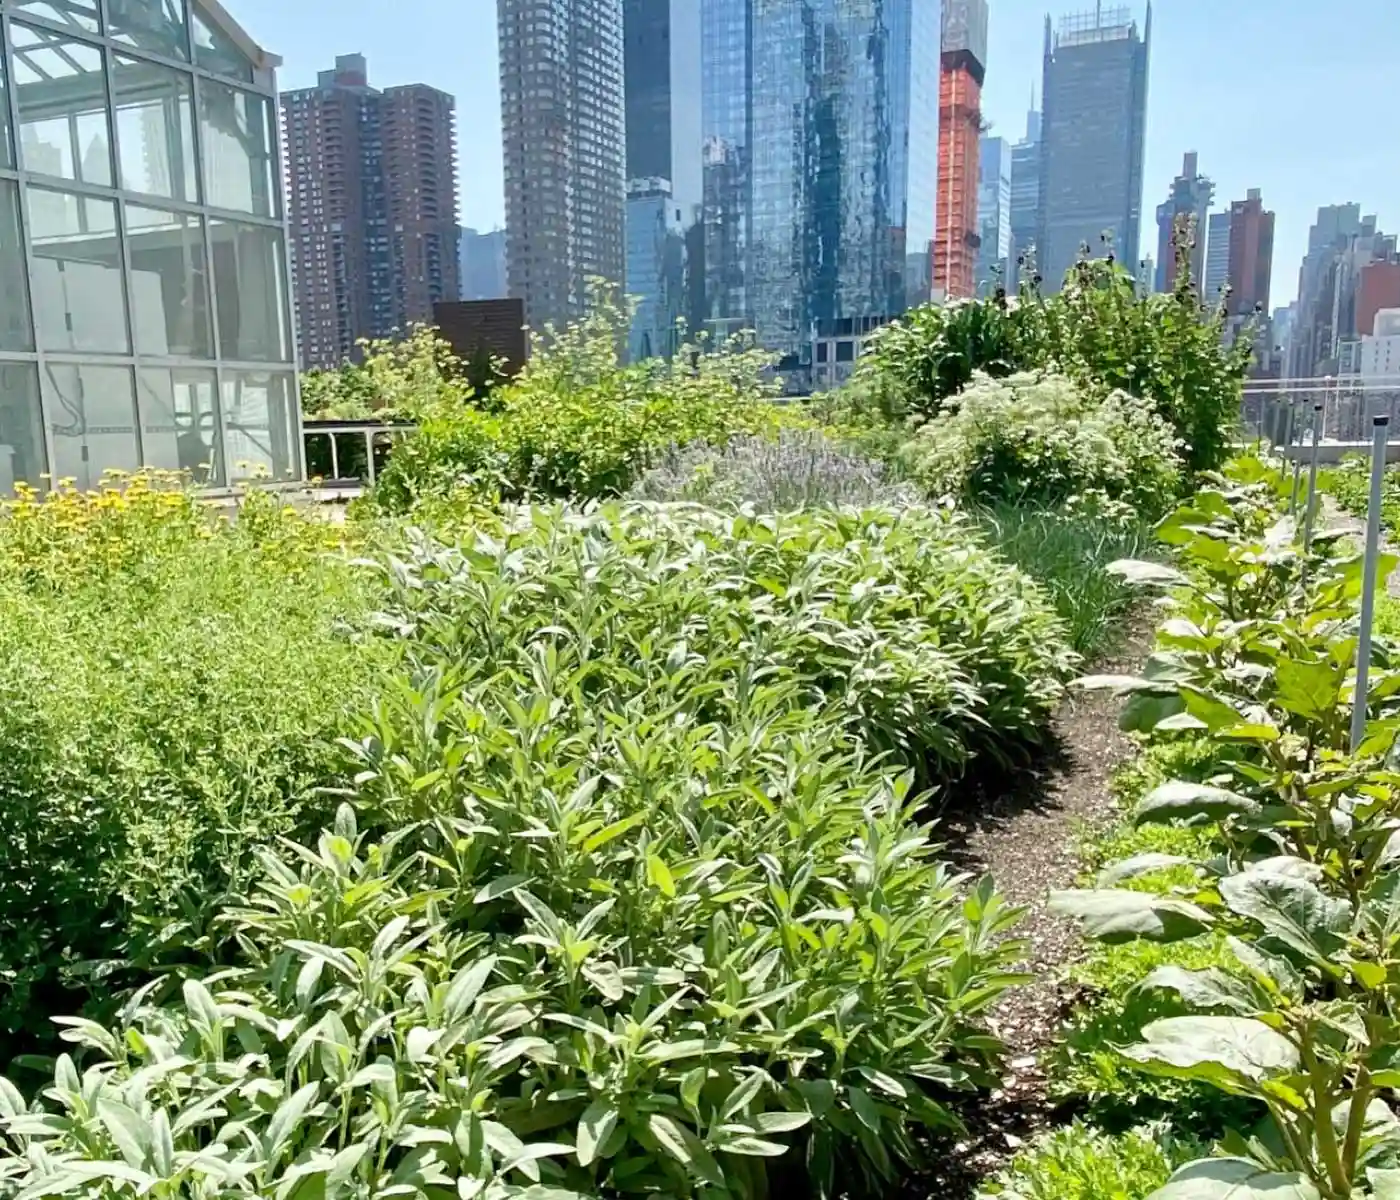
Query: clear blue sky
{"x": 1291, "y": 96}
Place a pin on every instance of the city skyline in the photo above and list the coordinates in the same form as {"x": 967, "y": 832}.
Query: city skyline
{"x": 1217, "y": 87}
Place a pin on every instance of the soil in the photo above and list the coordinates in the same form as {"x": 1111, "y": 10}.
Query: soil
{"x": 1027, "y": 836}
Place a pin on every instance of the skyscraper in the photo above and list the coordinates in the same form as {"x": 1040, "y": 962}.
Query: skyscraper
{"x": 665, "y": 237}
{"x": 562, "y": 126}
{"x": 1188, "y": 202}
{"x": 1025, "y": 194}
{"x": 994, "y": 216}
{"x": 1251, "y": 256}
{"x": 1217, "y": 269}
{"x": 962, "y": 71}
{"x": 820, "y": 162}
{"x": 483, "y": 267}
{"x": 1095, "y": 100}
{"x": 372, "y": 209}
{"x": 1312, "y": 341}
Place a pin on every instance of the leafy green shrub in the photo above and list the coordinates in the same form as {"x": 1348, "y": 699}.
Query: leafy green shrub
{"x": 1042, "y": 440}
{"x": 1068, "y": 553}
{"x": 913, "y": 365}
{"x": 394, "y": 378}
{"x": 1105, "y": 332}
{"x": 577, "y": 423}
{"x": 1350, "y": 485}
{"x": 902, "y": 624}
{"x": 1083, "y": 1163}
{"x": 171, "y": 686}
{"x": 608, "y": 946}
{"x": 800, "y": 468}
{"x": 1299, "y": 1018}
{"x": 1100, "y": 330}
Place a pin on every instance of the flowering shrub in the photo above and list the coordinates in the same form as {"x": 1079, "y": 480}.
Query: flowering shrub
{"x": 171, "y": 684}
{"x": 800, "y": 468}
{"x": 1033, "y": 439}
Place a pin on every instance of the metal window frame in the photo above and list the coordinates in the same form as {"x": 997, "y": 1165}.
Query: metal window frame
{"x": 225, "y": 370}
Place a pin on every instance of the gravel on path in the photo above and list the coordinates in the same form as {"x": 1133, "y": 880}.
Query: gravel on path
{"x": 1027, "y": 837}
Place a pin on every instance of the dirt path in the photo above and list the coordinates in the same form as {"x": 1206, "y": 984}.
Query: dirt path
{"x": 1027, "y": 838}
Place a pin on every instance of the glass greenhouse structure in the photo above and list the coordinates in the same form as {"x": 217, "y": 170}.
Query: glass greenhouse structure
{"x": 145, "y": 316}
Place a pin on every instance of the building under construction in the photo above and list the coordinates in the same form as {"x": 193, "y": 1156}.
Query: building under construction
{"x": 964, "y": 66}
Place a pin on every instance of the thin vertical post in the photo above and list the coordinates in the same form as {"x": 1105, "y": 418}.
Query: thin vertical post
{"x": 335, "y": 458}
{"x": 1368, "y": 584}
{"x": 1287, "y": 433}
{"x": 1297, "y": 479}
{"x": 369, "y": 454}
{"x": 1312, "y": 483}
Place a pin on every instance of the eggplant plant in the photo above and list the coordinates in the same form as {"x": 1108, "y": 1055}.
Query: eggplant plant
{"x": 1257, "y": 652}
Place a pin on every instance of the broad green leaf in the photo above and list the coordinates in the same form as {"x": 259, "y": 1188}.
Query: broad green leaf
{"x": 1293, "y": 910}
{"x": 1139, "y": 864}
{"x": 1179, "y": 801}
{"x": 502, "y": 885}
{"x": 1307, "y": 689}
{"x": 1210, "y": 988}
{"x": 1121, "y": 916}
{"x": 466, "y": 986}
{"x": 1274, "y": 973}
{"x": 659, "y": 875}
{"x": 1385, "y": 1183}
{"x": 600, "y": 839}
{"x": 783, "y": 1122}
{"x": 1233, "y": 1179}
{"x": 128, "y": 1129}
{"x": 594, "y": 1128}
{"x": 282, "y": 1128}
{"x": 1147, "y": 574}
{"x": 669, "y": 1137}
{"x": 752, "y": 1147}
{"x": 1230, "y": 1052}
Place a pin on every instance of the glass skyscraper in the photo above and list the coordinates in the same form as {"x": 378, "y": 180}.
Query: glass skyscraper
{"x": 144, "y": 309}
{"x": 820, "y": 162}
{"x": 665, "y": 258}
{"x": 1095, "y": 115}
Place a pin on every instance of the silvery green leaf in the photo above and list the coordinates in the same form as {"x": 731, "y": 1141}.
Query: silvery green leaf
{"x": 1121, "y": 916}
{"x": 1233, "y": 1179}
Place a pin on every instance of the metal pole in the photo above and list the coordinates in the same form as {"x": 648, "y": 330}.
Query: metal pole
{"x": 1287, "y": 432}
{"x": 369, "y": 454}
{"x": 1297, "y": 478}
{"x": 1368, "y": 585}
{"x": 1312, "y": 486}
{"x": 335, "y": 459}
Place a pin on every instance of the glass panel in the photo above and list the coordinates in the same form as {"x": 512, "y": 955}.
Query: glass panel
{"x": 214, "y": 50}
{"x": 179, "y": 429}
{"x": 76, "y": 14}
{"x": 250, "y": 287}
{"x": 169, "y": 283}
{"x": 21, "y": 427}
{"x": 258, "y": 424}
{"x": 62, "y": 93}
{"x": 237, "y": 131}
{"x": 16, "y": 329}
{"x": 92, "y": 416}
{"x": 77, "y": 272}
{"x": 155, "y": 129}
{"x": 154, "y": 25}
{"x": 7, "y": 156}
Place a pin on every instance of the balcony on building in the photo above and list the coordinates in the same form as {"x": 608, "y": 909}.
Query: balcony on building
{"x": 145, "y": 317}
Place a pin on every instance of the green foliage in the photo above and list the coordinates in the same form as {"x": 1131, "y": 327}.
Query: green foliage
{"x": 1103, "y": 331}
{"x": 577, "y": 423}
{"x": 1068, "y": 553}
{"x": 912, "y": 366}
{"x": 1350, "y": 485}
{"x": 1300, "y": 1016}
{"x": 1033, "y": 440}
{"x": 902, "y": 626}
{"x": 170, "y": 688}
{"x": 1080, "y": 1162}
{"x": 1100, "y": 330}
{"x": 395, "y": 378}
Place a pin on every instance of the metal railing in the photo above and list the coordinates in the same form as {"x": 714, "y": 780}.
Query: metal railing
{"x": 1285, "y": 412}
{"x": 349, "y": 454}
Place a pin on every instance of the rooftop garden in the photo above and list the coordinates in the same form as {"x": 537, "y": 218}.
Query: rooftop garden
{"x": 654, "y": 790}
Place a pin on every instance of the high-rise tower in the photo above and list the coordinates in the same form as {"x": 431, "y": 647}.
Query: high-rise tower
{"x": 1095, "y": 115}
{"x": 820, "y": 162}
{"x": 962, "y": 70}
{"x": 373, "y": 208}
{"x": 665, "y": 237}
{"x": 1188, "y": 202}
{"x": 562, "y": 126}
